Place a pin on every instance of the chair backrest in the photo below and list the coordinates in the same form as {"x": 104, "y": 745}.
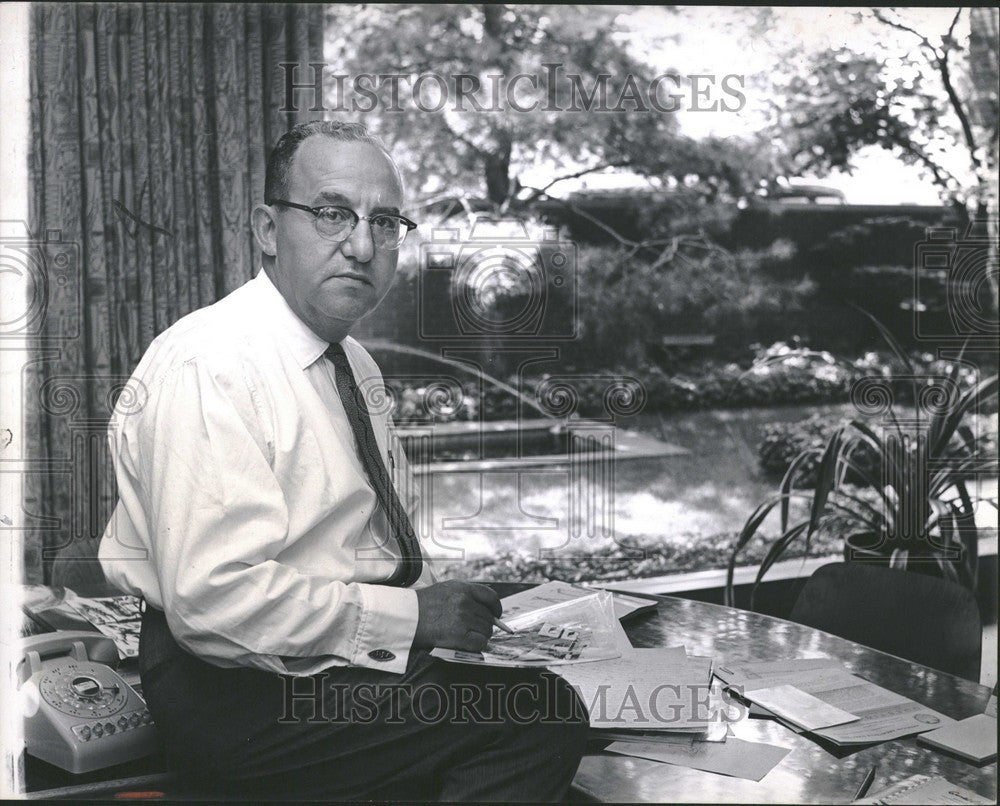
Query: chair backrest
{"x": 916, "y": 616}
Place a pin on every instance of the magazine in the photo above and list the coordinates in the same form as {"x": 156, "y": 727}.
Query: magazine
{"x": 117, "y": 617}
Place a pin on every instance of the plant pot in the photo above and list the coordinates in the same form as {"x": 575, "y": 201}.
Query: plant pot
{"x": 867, "y": 547}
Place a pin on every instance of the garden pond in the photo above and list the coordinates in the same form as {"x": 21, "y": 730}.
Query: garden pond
{"x": 684, "y": 506}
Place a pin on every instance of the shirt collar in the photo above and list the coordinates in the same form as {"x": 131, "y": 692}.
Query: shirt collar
{"x": 305, "y": 345}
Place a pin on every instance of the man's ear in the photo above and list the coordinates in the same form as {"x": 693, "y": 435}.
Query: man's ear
{"x": 265, "y": 228}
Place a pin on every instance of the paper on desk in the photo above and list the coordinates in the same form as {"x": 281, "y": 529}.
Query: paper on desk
{"x": 715, "y": 732}
{"x": 620, "y": 637}
{"x": 734, "y": 757}
{"x": 550, "y": 593}
{"x": 646, "y": 689}
{"x": 746, "y": 675}
{"x": 882, "y": 714}
{"x": 974, "y": 738}
{"x": 991, "y": 707}
{"x": 800, "y": 708}
{"x": 925, "y": 789}
{"x": 701, "y": 667}
{"x": 758, "y": 712}
{"x": 772, "y": 672}
{"x": 626, "y": 604}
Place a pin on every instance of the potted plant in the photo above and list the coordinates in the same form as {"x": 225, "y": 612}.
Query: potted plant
{"x": 916, "y": 510}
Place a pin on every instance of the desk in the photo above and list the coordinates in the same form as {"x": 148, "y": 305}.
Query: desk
{"x": 809, "y": 774}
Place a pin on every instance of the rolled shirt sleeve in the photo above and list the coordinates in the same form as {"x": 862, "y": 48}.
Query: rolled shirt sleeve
{"x": 218, "y": 522}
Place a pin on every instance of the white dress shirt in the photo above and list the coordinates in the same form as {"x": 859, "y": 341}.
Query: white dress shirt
{"x": 245, "y": 512}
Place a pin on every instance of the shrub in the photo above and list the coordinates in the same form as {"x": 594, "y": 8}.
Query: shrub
{"x": 782, "y": 442}
{"x": 631, "y": 557}
{"x": 780, "y": 374}
{"x": 888, "y": 241}
{"x": 628, "y": 304}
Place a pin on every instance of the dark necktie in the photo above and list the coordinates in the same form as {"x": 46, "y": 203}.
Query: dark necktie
{"x": 399, "y": 522}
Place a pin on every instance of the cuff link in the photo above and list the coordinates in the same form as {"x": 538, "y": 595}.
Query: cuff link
{"x": 381, "y": 655}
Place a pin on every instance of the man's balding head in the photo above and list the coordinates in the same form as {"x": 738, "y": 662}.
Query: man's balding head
{"x": 279, "y": 162}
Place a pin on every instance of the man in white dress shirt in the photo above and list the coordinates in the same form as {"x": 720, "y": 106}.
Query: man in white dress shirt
{"x": 280, "y": 653}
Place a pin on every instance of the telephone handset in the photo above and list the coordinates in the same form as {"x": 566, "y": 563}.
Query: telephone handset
{"x": 93, "y": 646}
{"x": 79, "y": 713}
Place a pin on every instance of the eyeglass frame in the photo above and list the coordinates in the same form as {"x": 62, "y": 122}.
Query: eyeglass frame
{"x": 407, "y": 223}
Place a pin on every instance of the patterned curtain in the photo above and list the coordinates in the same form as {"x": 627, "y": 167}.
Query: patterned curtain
{"x": 150, "y": 125}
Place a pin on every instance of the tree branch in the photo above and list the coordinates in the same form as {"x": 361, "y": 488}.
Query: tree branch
{"x": 956, "y": 105}
{"x": 463, "y": 139}
{"x": 941, "y": 175}
{"x": 877, "y": 13}
{"x": 939, "y": 58}
{"x": 622, "y": 240}
{"x": 536, "y": 192}
{"x": 954, "y": 22}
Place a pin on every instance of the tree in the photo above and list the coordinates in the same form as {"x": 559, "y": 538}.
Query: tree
{"x": 525, "y": 86}
{"x": 935, "y": 107}
{"x": 917, "y": 104}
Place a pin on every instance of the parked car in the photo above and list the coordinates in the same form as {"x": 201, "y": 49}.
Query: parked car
{"x": 806, "y": 194}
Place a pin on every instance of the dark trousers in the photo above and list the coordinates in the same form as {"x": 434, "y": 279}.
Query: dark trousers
{"x": 441, "y": 731}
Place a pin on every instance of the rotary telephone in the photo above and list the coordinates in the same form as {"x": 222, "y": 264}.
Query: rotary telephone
{"x": 79, "y": 714}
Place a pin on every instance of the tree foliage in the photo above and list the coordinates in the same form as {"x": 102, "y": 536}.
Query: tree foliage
{"x": 487, "y": 150}
{"x": 918, "y": 102}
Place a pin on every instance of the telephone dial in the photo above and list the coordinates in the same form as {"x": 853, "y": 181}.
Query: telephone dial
{"x": 79, "y": 713}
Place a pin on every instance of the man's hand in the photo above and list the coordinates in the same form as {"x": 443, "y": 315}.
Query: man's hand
{"x": 455, "y": 615}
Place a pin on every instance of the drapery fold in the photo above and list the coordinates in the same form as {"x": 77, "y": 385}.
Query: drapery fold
{"x": 150, "y": 127}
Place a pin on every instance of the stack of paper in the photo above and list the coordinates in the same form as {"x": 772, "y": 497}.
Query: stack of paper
{"x": 642, "y": 693}
{"x": 800, "y": 693}
{"x": 801, "y": 709}
{"x": 687, "y": 728}
{"x": 657, "y": 704}
{"x": 648, "y": 690}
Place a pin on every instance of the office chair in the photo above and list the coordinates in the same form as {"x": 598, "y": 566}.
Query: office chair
{"x": 915, "y": 616}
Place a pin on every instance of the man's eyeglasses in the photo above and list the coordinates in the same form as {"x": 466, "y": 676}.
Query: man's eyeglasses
{"x": 337, "y": 223}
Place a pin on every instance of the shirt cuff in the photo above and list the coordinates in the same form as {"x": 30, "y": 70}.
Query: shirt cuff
{"x": 388, "y": 625}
